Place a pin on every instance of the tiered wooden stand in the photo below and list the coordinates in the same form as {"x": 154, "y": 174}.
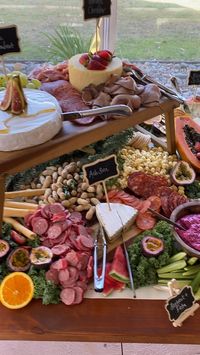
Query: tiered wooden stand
{"x": 95, "y": 319}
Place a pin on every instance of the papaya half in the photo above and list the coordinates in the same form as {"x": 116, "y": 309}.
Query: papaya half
{"x": 187, "y": 134}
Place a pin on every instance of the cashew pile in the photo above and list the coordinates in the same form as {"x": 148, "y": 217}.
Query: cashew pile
{"x": 65, "y": 184}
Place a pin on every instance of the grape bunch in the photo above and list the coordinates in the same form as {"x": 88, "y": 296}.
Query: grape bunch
{"x": 25, "y": 82}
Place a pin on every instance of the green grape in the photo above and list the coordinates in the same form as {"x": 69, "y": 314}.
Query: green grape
{"x": 2, "y": 80}
{"x": 24, "y": 80}
{"x": 36, "y": 83}
{"x": 30, "y": 86}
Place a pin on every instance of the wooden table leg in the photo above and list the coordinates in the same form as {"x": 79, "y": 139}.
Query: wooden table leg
{"x": 170, "y": 132}
{"x": 2, "y": 196}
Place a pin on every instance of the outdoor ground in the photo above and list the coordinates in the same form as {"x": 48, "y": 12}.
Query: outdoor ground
{"x": 147, "y": 29}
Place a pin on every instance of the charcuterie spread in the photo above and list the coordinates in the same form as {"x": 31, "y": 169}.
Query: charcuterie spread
{"x": 53, "y": 219}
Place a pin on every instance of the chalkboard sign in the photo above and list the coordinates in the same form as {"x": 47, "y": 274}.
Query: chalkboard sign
{"x": 194, "y": 77}
{"x": 177, "y": 305}
{"x": 101, "y": 170}
{"x": 96, "y": 8}
{"x": 9, "y": 41}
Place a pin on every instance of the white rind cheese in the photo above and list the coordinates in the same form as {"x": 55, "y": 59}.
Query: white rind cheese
{"x": 80, "y": 76}
{"x": 40, "y": 122}
{"x": 115, "y": 220}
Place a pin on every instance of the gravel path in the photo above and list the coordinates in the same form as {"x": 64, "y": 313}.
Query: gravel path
{"x": 160, "y": 71}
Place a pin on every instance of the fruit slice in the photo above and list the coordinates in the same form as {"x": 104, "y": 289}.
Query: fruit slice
{"x": 119, "y": 270}
{"x": 18, "y": 103}
{"x": 6, "y": 102}
{"x": 16, "y": 290}
{"x": 187, "y": 134}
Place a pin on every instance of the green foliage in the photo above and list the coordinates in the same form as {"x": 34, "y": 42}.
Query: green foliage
{"x": 193, "y": 190}
{"x": 44, "y": 289}
{"x": 65, "y": 43}
{"x": 111, "y": 145}
{"x": 144, "y": 268}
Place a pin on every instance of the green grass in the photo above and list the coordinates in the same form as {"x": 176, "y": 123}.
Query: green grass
{"x": 163, "y": 30}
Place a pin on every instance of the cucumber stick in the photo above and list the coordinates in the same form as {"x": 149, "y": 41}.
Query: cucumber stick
{"x": 195, "y": 284}
{"x": 181, "y": 283}
{"x": 175, "y": 275}
{"x": 177, "y": 265}
{"x": 176, "y": 257}
{"x": 192, "y": 260}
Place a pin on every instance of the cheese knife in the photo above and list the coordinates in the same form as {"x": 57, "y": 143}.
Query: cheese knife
{"x": 116, "y": 110}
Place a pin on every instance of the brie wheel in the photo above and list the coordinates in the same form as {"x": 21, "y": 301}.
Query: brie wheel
{"x": 40, "y": 122}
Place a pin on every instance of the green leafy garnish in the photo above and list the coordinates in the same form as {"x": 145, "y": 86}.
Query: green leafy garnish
{"x": 44, "y": 289}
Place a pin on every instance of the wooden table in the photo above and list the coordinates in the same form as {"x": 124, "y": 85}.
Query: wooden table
{"x": 93, "y": 320}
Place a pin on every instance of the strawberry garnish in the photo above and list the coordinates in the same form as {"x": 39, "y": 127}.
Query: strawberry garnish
{"x": 97, "y": 61}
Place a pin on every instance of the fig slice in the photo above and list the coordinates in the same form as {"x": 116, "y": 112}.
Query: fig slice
{"x": 182, "y": 173}
{"x": 6, "y": 102}
{"x": 152, "y": 246}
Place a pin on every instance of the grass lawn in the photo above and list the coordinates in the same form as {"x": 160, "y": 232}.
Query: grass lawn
{"x": 151, "y": 29}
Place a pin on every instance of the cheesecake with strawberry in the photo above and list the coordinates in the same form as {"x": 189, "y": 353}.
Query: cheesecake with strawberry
{"x": 88, "y": 68}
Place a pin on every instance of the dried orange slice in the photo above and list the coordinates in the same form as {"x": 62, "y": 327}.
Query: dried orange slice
{"x": 16, "y": 290}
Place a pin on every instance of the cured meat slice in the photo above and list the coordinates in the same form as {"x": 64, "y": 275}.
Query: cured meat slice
{"x": 90, "y": 267}
{"x": 45, "y": 211}
{"x": 52, "y": 275}
{"x": 60, "y": 249}
{"x": 73, "y": 272}
{"x": 59, "y": 217}
{"x": 68, "y": 295}
{"x": 145, "y": 221}
{"x": 76, "y": 217}
{"x": 87, "y": 242}
{"x": 155, "y": 203}
{"x": 78, "y": 295}
{"x": 39, "y": 225}
{"x": 72, "y": 258}
{"x": 82, "y": 284}
{"x": 63, "y": 275}
{"x": 54, "y": 231}
{"x": 60, "y": 264}
{"x": 56, "y": 208}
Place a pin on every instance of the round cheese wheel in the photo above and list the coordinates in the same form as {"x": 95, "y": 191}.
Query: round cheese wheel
{"x": 80, "y": 76}
{"x": 40, "y": 122}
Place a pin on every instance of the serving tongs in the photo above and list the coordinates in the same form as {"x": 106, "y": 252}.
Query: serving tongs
{"x": 100, "y": 243}
{"x": 146, "y": 79}
{"x": 116, "y": 110}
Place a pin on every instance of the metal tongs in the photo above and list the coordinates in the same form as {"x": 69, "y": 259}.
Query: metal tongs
{"x": 99, "y": 279}
{"x": 117, "y": 110}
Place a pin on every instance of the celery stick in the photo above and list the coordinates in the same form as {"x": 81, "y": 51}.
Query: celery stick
{"x": 192, "y": 260}
{"x": 193, "y": 268}
{"x": 176, "y": 257}
{"x": 196, "y": 282}
{"x": 175, "y": 275}
{"x": 177, "y": 265}
{"x": 191, "y": 271}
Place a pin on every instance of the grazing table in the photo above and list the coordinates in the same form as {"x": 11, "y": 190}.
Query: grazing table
{"x": 106, "y": 320}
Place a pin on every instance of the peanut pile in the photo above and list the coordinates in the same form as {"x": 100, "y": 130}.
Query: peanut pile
{"x": 64, "y": 183}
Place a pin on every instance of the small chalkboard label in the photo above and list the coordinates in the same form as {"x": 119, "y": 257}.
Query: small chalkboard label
{"x": 96, "y": 8}
{"x": 101, "y": 170}
{"x": 194, "y": 77}
{"x": 180, "y": 303}
{"x": 9, "y": 41}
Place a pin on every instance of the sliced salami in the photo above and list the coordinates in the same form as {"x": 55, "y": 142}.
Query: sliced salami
{"x": 155, "y": 203}
{"x": 54, "y": 231}
{"x": 63, "y": 275}
{"x": 60, "y": 264}
{"x": 56, "y": 208}
{"x": 59, "y": 217}
{"x": 145, "y": 221}
{"x": 78, "y": 295}
{"x": 68, "y": 295}
{"x": 59, "y": 249}
{"x": 87, "y": 242}
{"x": 39, "y": 225}
{"x": 76, "y": 217}
{"x": 72, "y": 258}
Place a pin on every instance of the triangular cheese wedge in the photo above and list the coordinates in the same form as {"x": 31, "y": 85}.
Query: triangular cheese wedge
{"x": 115, "y": 219}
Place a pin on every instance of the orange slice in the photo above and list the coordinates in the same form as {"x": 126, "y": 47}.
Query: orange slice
{"x": 16, "y": 290}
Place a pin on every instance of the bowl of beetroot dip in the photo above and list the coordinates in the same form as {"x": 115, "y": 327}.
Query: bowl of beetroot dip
{"x": 188, "y": 216}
